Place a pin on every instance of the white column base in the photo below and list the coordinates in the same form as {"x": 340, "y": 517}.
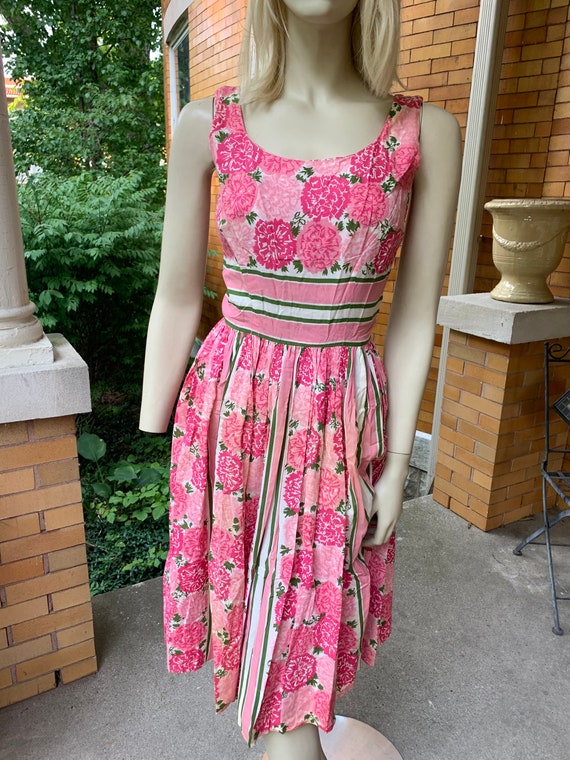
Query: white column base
{"x": 29, "y": 355}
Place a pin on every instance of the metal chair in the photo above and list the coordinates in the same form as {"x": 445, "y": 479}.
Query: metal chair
{"x": 555, "y": 467}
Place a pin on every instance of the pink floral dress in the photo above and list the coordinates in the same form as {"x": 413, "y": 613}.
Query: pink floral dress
{"x": 280, "y": 429}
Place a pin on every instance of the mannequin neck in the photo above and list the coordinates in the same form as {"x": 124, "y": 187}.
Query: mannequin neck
{"x": 319, "y": 60}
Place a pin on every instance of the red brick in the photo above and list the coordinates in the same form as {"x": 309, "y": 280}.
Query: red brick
{"x": 21, "y": 570}
{"x": 54, "y": 427}
{"x": 16, "y": 481}
{"x": 53, "y": 473}
{"x": 53, "y": 622}
{"x": 22, "y": 691}
{"x": 25, "y": 611}
{"x": 42, "y": 543}
{"x": 78, "y": 670}
{"x": 41, "y": 498}
{"x": 63, "y": 516}
{"x": 18, "y": 527}
{"x": 54, "y": 660}
{"x": 75, "y": 635}
{"x": 46, "y": 584}
{"x": 28, "y": 650}
{"x": 27, "y": 454}
{"x": 64, "y": 558}
{"x": 12, "y": 433}
{"x": 70, "y": 597}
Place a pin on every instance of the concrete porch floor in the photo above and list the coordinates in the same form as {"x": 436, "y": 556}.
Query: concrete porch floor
{"x": 472, "y": 670}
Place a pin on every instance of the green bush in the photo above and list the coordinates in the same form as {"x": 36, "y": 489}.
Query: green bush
{"x": 92, "y": 246}
{"x": 126, "y": 514}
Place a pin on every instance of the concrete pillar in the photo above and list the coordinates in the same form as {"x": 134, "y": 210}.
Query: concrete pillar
{"x": 22, "y": 339}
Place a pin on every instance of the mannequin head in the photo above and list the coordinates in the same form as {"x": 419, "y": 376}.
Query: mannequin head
{"x": 375, "y": 41}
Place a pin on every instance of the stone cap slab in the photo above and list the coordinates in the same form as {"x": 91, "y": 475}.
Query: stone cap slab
{"x": 48, "y": 390}
{"x": 504, "y": 322}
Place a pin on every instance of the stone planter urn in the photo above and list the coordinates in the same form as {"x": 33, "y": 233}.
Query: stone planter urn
{"x": 528, "y": 242}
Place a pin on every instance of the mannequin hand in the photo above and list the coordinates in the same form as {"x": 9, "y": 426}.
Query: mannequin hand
{"x": 388, "y": 498}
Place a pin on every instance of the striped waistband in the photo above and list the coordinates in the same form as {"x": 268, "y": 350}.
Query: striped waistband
{"x": 300, "y": 324}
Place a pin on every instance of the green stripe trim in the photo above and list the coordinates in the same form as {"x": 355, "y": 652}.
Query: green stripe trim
{"x": 318, "y": 306}
{"x": 320, "y": 280}
{"x": 307, "y": 320}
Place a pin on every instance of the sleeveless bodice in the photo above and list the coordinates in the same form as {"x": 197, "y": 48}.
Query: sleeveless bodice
{"x": 308, "y": 245}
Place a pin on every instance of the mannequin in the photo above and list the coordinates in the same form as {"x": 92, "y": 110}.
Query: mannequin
{"x": 323, "y": 109}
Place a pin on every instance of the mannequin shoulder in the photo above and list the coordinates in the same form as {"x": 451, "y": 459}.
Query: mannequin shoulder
{"x": 190, "y": 141}
{"x": 439, "y": 127}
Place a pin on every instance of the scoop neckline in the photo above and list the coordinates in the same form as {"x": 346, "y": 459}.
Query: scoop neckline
{"x": 387, "y": 120}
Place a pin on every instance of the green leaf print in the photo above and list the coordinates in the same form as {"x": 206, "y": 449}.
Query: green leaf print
{"x": 352, "y": 226}
{"x": 389, "y": 184}
{"x": 177, "y": 433}
{"x": 256, "y": 175}
{"x": 251, "y": 217}
{"x": 221, "y": 136}
{"x": 252, "y": 262}
{"x": 222, "y": 178}
{"x": 305, "y": 174}
{"x": 297, "y": 265}
{"x": 392, "y": 143}
{"x": 396, "y": 108}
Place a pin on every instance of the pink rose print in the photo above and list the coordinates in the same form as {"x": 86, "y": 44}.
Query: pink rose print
{"x": 304, "y": 567}
{"x": 245, "y": 355}
{"x": 276, "y": 362}
{"x": 237, "y": 153}
{"x": 229, "y": 471}
{"x": 231, "y": 656}
{"x": 292, "y": 491}
{"x": 330, "y": 490}
{"x": 306, "y": 528}
{"x": 270, "y": 712}
{"x": 192, "y": 577}
{"x": 260, "y": 393}
{"x": 299, "y": 671}
{"x": 182, "y": 663}
{"x": 319, "y": 245}
{"x": 304, "y": 448}
{"x": 237, "y": 242}
{"x": 286, "y": 606}
{"x": 199, "y": 475}
{"x": 227, "y": 547}
{"x": 347, "y": 666}
{"x": 237, "y": 195}
{"x": 259, "y": 439}
{"x": 373, "y": 162}
{"x": 305, "y": 368}
{"x": 188, "y": 636}
{"x": 387, "y": 251}
{"x": 329, "y": 598}
{"x": 232, "y": 429}
{"x": 325, "y": 196}
{"x": 326, "y": 635}
{"x": 338, "y": 442}
{"x": 271, "y": 164}
{"x": 367, "y": 203}
{"x": 331, "y": 528}
{"x": 323, "y": 408}
{"x": 412, "y": 101}
{"x": 385, "y": 631}
{"x": 347, "y": 638}
{"x": 283, "y": 194}
{"x": 402, "y": 160}
{"x": 274, "y": 244}
{"x": 220, "y": 580}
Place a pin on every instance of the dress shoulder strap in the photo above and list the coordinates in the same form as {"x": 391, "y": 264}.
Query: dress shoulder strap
{"x": 405, "y": 130}
{"x": 224, "y": 104}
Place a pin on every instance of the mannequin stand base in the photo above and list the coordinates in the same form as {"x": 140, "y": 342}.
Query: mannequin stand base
{"x": 353, "y": 740}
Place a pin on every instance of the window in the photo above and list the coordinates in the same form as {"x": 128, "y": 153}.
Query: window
{"x": 179, "y": 72}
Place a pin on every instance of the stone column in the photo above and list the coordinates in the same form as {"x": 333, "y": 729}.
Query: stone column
{"x": 21, "y": 334}
{"x": 46, "y": 627}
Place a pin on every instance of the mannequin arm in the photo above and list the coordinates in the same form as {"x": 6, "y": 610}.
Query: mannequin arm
{"x": 409, "y": 339}
{"x": 177, "y": 307}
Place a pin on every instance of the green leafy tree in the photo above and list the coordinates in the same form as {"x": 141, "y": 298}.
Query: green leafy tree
{"x": 92, "y": 84}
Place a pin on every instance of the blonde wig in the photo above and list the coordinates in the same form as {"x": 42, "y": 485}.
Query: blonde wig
{"x": 375, "y": 47}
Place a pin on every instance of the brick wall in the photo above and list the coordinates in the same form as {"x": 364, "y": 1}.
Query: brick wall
{"x": 492, "y": 430}
{"x": 531, "y": 141}
{"x": 46, "y": 628}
